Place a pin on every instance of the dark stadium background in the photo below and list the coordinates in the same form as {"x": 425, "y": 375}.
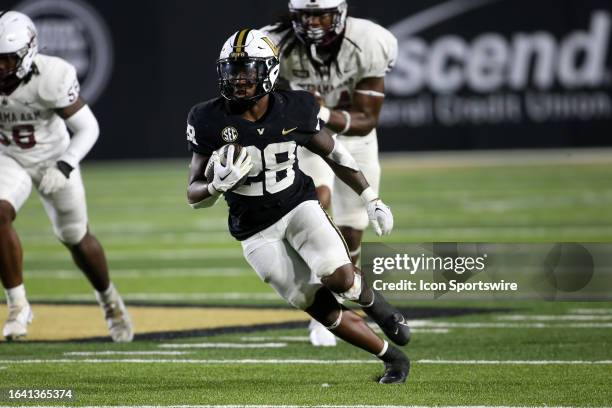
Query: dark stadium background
{"x": 164, "y": 54}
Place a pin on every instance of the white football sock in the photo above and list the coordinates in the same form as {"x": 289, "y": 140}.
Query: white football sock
{"x": 107, "y": 295}
{"x": 16, "y": 295}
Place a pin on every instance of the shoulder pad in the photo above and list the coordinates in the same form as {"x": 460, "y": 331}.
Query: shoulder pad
{"x": 302, "y": 110}
{"x": 378, "y": 47}
{"x": 203, "y": 122}
{"x": 58, "y": 83}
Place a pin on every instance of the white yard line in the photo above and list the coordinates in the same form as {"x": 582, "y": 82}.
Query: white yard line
{"x": 146, "y": 273}
{"x": 180, "y": 296}
{"x": 517, "y": 362}
{"x": 299, "y": 361}
{"x": 495, "y": 325}
{"x": 127, "y": 353}
{"x": 223, "y": 345}
{"x": 279, "y": 338}
{"x": 581, "y": 317}
{"x": 148, "y": 254}
{"x": 597, "y": 311}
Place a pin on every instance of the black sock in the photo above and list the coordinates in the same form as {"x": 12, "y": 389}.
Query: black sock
{"x": 380, "y": 309}
{"x": 393, "y": 354}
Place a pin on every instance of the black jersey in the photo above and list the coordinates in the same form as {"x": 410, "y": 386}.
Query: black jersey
{"x": 275, "y": 184}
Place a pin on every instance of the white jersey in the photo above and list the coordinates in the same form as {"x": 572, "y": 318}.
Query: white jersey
{"x": 368, "y": 50}
{"x": 30, "y": 130}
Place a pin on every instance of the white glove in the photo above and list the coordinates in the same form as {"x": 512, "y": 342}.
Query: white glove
{"x": 380, "y": 217}
{"x": 227, "y": 176}
{"x": 52, "y": 180}
{"x": 379, "y": 213}
{"x": 209, "y": 171}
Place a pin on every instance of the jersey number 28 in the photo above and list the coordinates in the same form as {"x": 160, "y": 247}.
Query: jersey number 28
{"x": 278, "y": 173}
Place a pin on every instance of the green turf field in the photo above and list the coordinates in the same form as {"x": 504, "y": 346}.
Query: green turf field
{"x": 163, "y": 253}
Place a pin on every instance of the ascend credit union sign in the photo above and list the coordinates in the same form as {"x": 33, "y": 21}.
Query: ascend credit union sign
{"x": 484, "y": 62}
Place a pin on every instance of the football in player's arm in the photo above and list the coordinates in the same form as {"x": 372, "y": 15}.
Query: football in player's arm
{"x": 285, "y": 234}
{"x": 39, "y": 102}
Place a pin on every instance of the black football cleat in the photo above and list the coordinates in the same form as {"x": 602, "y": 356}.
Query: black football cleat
{"x": 396, "y": 372}
{"x": 396, "y": 329}
{"x": 389, "y": 319}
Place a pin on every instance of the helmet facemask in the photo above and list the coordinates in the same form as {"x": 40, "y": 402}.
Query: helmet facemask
{"x": 238, "y": 77}
{"x": 331, "y": 23}
{"x": 10, "y": 64}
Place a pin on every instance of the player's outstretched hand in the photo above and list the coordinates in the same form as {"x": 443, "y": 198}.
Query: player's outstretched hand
{"x": 380, "y": 217}
{"x": 234, "y": 171}
{"x": 52, "y": 180}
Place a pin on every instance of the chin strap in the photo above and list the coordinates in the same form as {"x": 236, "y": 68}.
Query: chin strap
{"x": 314, "y": 55}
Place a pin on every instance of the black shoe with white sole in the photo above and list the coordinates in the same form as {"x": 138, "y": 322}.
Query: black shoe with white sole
{"x": 397, "y": 367}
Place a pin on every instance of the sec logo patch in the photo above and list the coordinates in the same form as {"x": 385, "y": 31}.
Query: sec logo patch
{"x": 229, "y": 134}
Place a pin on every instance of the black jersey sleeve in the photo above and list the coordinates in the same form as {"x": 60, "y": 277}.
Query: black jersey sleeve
{"x": 199, "y": 138}
{"x": 303, "y": 110}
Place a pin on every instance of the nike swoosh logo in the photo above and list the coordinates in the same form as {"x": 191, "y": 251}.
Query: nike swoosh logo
{"x": 223, "y": 178}
{"x": 403, "y": 323}
{"x": 379, "y": 209}
{"x": 287, "y": 131}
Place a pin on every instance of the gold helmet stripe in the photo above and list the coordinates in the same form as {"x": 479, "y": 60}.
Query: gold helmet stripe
{"x": 240, "y": 40}
{"x": 272, "y": 46}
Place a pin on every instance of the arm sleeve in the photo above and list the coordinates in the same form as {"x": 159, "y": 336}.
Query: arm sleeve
{"x": 85, "y": 131}
{"x": 379, "y": 54}
{"x": 60, "y": 86}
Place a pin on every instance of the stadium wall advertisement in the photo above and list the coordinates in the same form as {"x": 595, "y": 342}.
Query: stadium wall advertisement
{"x": 470, "y": 74}
{"x": 484, "y": 73}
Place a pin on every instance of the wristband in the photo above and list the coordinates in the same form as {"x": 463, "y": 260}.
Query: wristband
{"x": 347, "y": 118}
{"x": 368, "y": 195}
{"x": 324, "y": 114}
{"x": 64, "y": 167}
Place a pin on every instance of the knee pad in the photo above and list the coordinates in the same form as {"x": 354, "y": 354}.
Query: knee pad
{"x": 354, "y": 291}
{"x": 71, "y": 233}
{"x": 341, "y": 279}
{"x": 326, "y": 309}
{"x": 339, "y": 283}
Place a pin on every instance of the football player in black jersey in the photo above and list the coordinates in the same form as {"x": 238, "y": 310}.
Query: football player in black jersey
{"x": 273, "y": 209}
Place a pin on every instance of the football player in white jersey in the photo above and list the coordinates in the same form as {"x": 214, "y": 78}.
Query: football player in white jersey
{"x": 343, "y": 61}
{"x": 39, "y": 102}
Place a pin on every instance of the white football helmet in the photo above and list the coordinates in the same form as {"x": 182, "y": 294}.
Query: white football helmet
{"x": 248, "y": 55}
{"x": 18, "y": 37}
{"x": 302, "y": 11}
